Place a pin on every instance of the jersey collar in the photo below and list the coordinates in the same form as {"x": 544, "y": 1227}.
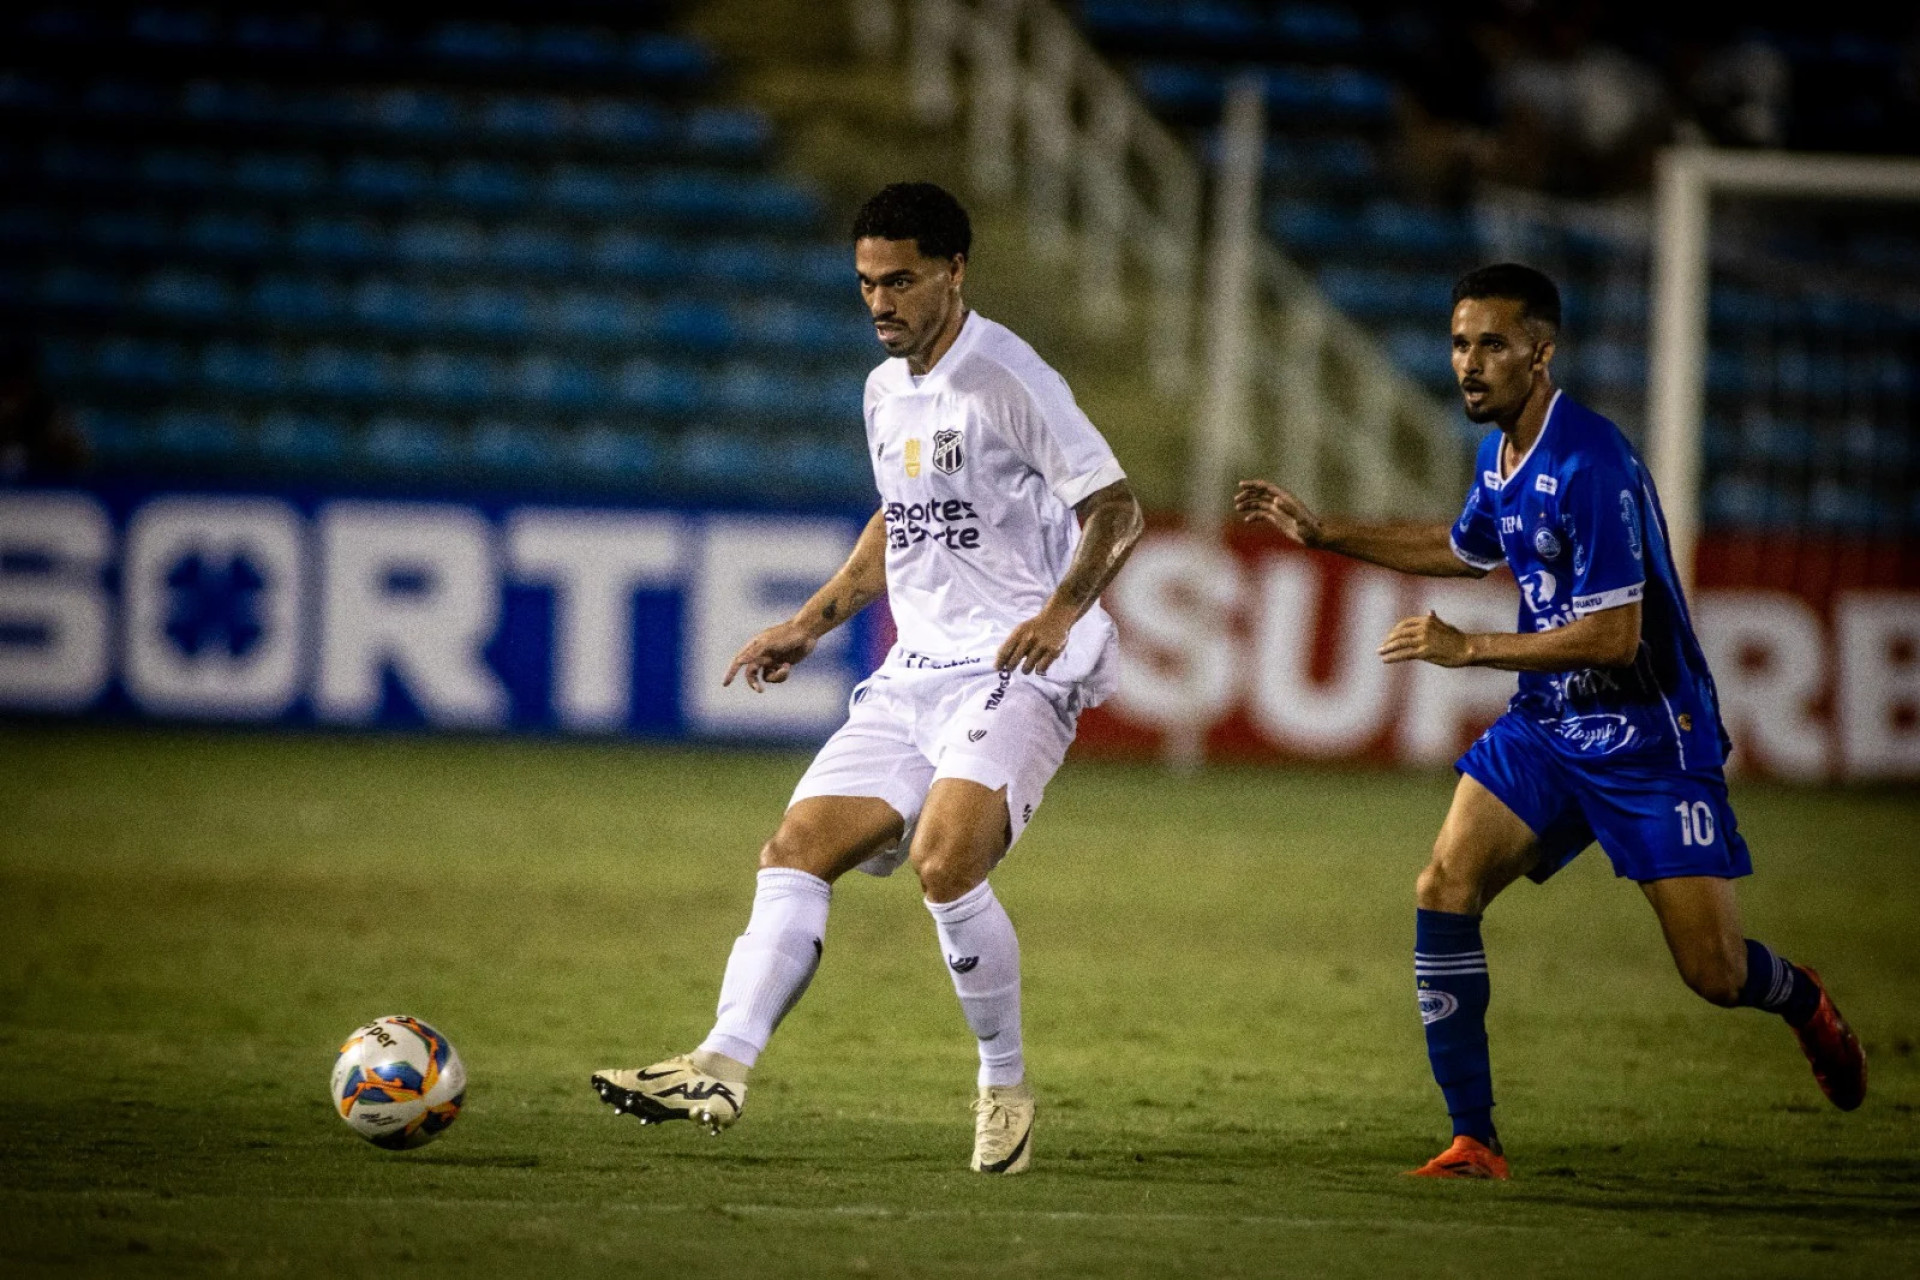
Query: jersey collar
{"x": 1493, "y": 479}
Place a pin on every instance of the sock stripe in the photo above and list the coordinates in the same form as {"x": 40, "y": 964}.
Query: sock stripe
{"x": 1782, "y": 985}
{"x": 1471, "y": 966}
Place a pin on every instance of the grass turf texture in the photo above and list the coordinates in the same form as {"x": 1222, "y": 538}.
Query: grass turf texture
{"x": 1219, "y": 1018}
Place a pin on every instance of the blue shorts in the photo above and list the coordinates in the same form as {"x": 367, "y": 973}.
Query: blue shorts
{"x": 1653, "y": 822}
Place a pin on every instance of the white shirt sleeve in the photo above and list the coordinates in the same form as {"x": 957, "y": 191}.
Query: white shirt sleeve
{"x": 1056, "y": 439}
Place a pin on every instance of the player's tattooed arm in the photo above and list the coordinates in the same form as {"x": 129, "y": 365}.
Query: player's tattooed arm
{"x": 1410, "y": 547}
{"x": 1110, "y": 526}
{"x": 769, "y": 657}
{"x": 1609, "y": 638}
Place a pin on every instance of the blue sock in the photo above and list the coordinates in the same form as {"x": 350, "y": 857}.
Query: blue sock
{"x": 1450, "y": 971}
{"x": 1778, "y": 986}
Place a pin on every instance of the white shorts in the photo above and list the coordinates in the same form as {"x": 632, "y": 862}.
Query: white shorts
{"x": 908, "y": 728}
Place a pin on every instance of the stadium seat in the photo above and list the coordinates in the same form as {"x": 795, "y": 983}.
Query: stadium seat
{"x": 627, "y": 124}
{"x": 450, "y": 377}
{"x": 396, "y": 443}
{"x": 298, "y": 300}
{"x": 552, "y": 381}
{"x": 1318, "y": 26}
{"x": 286, "y": 175}
{"x": 696, "y": 326}
{"x": 442, "y": 242}
{"x": 187, "y": 295}
{"x": 489, "y": 311}
{"x": 602, "y": 316}
{"x": 609, "y": 453}
{"x": 140, "y": 362}
{"x": 531, "y": 247}
{"x": 672, "y": 60}
{"x": 487, "y": 184}
{"x": 413, "y": 112}
{"x": 230, "y": 233}
{"x": 725, "y": 132}
{"x": 25, "y": 227}
{"x": 390, "y": 306}
{"x": 626, "y": 253}
{"x": 590, "y": 189}
{"x": 182, "y": 169}
{"x": 116, "y": 99}
{"x": 300, "y": 440}
{"x": 384, "y": 180}
{"x": 510, "y": 447}
{"x": 526, "y": 119}
{"x": 85, "y": 165}
{"x": 338, "y": 239}
{"x": 247, "y": 369}
{"x": 485, "y": 43}
{"x": 716, "y": 459}
{"x": 650, "y": 386}
{"x": 279, "y": 33}
{"x": 77, "y": 288}
{"x": 344, "y": 373}
{"x": 757, "y": 390}
{"x": 574, "y": 48}
{"x": 197, "y": 435}
{"x": 173, "y": 28}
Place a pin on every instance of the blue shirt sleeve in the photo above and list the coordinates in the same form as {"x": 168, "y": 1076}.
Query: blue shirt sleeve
{"x": 1476, "y": 534}
{"x": 1601, "y": 503}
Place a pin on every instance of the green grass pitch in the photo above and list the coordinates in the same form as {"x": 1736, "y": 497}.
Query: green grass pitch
{"x": 1220, "y": 1021}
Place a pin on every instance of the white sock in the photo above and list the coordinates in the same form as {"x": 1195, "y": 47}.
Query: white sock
{"x": 983, "y": 955}
{"x": 772, "y": 962}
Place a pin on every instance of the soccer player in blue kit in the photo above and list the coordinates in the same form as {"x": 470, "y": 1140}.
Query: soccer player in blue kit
{"x": 1614, "y": 734}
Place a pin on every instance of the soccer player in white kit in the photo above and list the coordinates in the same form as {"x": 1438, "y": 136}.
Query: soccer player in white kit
{"x": 983, "y": 463}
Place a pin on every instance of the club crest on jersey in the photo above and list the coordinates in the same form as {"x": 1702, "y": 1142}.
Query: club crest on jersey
{"x": 1546, "y": 544}
{"x": 910, "y": 457}
{"x": 947, "y": 454}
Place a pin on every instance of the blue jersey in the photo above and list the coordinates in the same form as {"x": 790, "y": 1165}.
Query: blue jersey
{"x": 1580, "y": 526}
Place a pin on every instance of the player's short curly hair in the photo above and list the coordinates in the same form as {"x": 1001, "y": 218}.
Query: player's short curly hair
{"x": 1538, "y": 297}
{"x": 921, "y": 212}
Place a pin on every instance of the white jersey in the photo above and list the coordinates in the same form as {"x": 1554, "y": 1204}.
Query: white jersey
{"x": 979, "y": 466}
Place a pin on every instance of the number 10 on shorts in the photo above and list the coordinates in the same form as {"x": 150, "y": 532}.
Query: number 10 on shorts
{"x": 1696, "y": 822}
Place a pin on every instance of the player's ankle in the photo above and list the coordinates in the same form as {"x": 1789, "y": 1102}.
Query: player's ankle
{"x": 719, "y": 1066}
{"x": 1478, "y": 1126}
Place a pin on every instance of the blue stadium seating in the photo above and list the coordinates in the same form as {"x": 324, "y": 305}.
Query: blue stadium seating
{"x": 311, "y": 241}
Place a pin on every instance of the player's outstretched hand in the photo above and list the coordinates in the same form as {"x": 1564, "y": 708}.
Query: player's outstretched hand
{"x": 769, "y": 657}
{"x": 1259, "y": 502}
{"x": 1034, "y": 644}
{"x": 1425, "y": 639}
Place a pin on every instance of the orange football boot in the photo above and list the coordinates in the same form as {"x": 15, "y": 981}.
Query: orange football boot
{"x": 1466, "y": 1158}
{"x": 1839, "y": 1063}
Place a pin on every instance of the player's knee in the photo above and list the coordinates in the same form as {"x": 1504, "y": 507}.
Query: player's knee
{"x": 1444, "y": 886}
{"x": 796, "y": 846}
{"x": 948, "y": 865}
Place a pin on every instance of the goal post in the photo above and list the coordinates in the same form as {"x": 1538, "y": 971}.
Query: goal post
{"x": 1687, "y": 180}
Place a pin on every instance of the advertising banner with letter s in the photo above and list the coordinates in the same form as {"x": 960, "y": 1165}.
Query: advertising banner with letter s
{"x": 370, "y": 611}
{"x": 1254, "y": 649}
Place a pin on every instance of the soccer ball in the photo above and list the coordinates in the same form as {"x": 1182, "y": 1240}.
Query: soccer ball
{"x": 398, "y": 1083}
